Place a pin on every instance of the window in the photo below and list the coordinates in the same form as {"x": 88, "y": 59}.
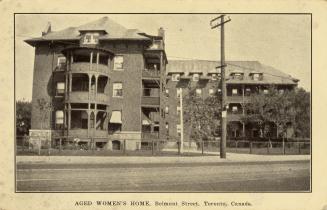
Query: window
{"x": 211, "y": 91}
{"x": 91, "y": 38}
{"x": 92, "y": 120}
{"x": 115, "y": 122}
{"x": 234, "y": 109}
{"x": 178, "y": 110}
{"x": 196, "y": 77}
{"x": 238, "y": 76}
{"x": 166, "y": 109}
{"x": 60, "y": 89}
{"x": 265, "y": 91}
{"x": 156, "y": 127}
{"x": 59, "y": 119}
{"x": 247, "y": 91}
{"x": 167, "y": 126}
{"x": 176, "y": 77}
{"x": 61, "y": 62}
{"x": 179, "y": 129}
{"x": 234, "y": 91}
{"x": 179, "y": 91}
{"x": 214, "y": 77}
{"x": 167, "y": 92}
{"x": 281, "y": 91}
{"x": 118, "y": 89}
{"x": 256, "y": 77}
{"x": 118, "y": 62}
{"x": 198, "y": 91}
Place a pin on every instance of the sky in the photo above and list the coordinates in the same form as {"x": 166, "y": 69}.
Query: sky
{"x": 281, "y": 41}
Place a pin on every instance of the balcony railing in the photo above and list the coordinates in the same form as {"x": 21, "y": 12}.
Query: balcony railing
{"x": 84, "y": 67}
{"x": 235, "y": 99}
{"x": 151, "y": 96}
{"x": 151, "y": 73}
{"x": 83, "y": 96}
{"x": 151, "y": 92}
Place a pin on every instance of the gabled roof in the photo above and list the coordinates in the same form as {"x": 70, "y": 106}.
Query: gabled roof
{"x": 112, "y": 30}
{"x": 270, "y": 74}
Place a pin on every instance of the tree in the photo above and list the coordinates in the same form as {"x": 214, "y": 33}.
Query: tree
{"x": 202, "y": 115}
{"x": 23, "y": 117}
{"x": 302, "y": 108}
{"x": 281, "y": 108}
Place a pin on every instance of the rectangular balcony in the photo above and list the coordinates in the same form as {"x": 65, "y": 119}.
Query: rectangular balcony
{"x": 151, "y": 96}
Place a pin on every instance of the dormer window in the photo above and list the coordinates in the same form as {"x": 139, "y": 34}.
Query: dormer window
{"x": 257, "y": 77}
{"x": 176, "y": 77}
{"x": 91, "y": 38}
{"x": 196, "y": 77}
{"x": 237, "y": 76}
{"x": 214, "y": 76}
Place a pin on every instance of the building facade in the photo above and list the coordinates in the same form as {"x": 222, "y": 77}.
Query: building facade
{"x": 243, "y": 78}
{"x": 106, "y": 86}
{"x": 101, "y": 81}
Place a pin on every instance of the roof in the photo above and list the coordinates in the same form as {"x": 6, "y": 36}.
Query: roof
{"x": 112, "y": 31}
{"x": 270, "y": 74}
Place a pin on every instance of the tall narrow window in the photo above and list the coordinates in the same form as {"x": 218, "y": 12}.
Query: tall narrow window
{"x": 92, "y": 120}
{"x": 61, "y": 63}
{"x": 166, "y": 110}
{"x": 179, "y": 129}
{"x": 234, "y": 91}
{"x": 178, "y": 92}
{"x": 59, "y": 119}
{"x": 178, "y": 110}
{"x": 60, "y": 91}
{"x": 118, "y": 62}
{"x": 118, "y": 89}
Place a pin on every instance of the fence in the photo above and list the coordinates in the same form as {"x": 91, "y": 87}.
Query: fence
{"x": 67, "y": 145}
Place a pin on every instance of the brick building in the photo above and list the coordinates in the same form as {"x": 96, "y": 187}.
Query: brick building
{"x": 107, "y": 85}
{"x": 243, "y": 78}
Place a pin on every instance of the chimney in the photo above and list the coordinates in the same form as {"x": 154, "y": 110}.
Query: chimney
{"x": 161, "y": 33}
{"x": 47, "y": 29}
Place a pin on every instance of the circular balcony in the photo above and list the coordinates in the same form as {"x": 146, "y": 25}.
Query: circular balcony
{"x": 83, "y": 97}
{"x": 86, "y": 67}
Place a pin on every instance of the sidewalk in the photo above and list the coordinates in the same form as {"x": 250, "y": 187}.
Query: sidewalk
{"x": 231, "y": 157}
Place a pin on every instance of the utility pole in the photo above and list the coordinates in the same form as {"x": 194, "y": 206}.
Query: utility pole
{"x": 223, "y": 122}
{"x": 181, "y": 120}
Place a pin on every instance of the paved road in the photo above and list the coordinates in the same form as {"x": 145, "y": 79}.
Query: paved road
{"x": 219, "y": 177}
